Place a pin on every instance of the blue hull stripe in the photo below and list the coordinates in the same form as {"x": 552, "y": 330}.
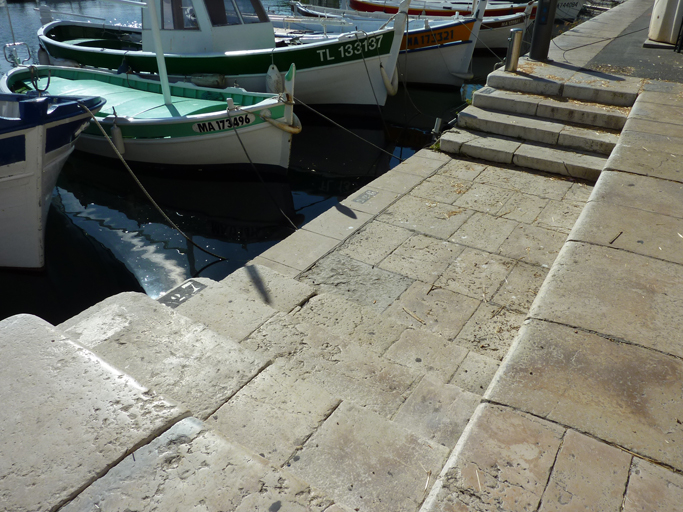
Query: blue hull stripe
{"x": 12, "y": 150}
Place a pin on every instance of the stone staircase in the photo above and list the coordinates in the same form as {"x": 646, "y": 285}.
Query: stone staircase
{"x": 259, "y": 392}
{"x": 543, "y": 123}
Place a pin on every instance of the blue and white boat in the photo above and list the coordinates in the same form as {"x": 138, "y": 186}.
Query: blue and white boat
{"x": 37, "y": 135}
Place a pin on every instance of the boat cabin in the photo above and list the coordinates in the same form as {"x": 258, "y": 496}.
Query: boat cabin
{"x": 205, "y": 26}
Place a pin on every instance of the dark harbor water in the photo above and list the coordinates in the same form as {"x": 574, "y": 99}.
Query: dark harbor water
{"x": 104, "y": 236}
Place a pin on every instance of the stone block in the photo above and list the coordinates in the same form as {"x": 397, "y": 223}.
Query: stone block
{"x": 492, "y": 149}
{"x": 653, "y": 127}
{"x": 523, "y": 181}
{"x": 491, "y": 330}
{"x": 301, "y": 249}
{"x": 667, "y": 166}
{"x": 370, "y": 200}
{"x": 165, "y": 351}
{"x": 562, "y": 162}
{"x": 475, "y": 373}
{"x": 588, "y": 475}
{"x": 489, "y": 98}
{"x": 520, "y": 288}
{"x": 276, "y": 266}
{"x": 396, "y": 181}
{"x": 441, "y": 188}
{"x": 579, "y": 192}
{"x": 660, "y": 113}
{"x": 652, "y": 488}
{"x": 367, "y": 462}
{"x": 357, "y": 281}
{"x": 585, "y": 139}
{"x": 421, "y": 258}
{"x": 462, "y": 170}
{"x": 69, "y": 416}
{"x": 339, "y": 222}
{"x": 579, "y": 112}
{"x": 374, "y": 242}
{"x": 190, "y": 466}
{"x": 424, "y": 163}
{"x": 661, "y": 97}
{"x": 502, "y": 462}
{"x": 559, "y": 216}
{"x": 425, "y": 216}
{"x": 523, "y": 208}
{"x": 484, "y": 198}
{"x": 452, "y": 140}
{"x": 270, "y": 287}
{"x": 617, "y": 392}
{"x": 437, "y": 412}
{"x": 511, "y": 126}
{"x": 615, "y": 293}
{"x": 534, "y": 245}
{"x": 598, "y": 87}
{"x": 652, "y": 143}
{"x": 484, "y": 232}
{"x": 524, "y": 81}
{"x": 433, "y": 308}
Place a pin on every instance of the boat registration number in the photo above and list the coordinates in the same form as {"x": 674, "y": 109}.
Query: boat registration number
{"x": 228, "y": 123}
{"x": 360, "y": 47}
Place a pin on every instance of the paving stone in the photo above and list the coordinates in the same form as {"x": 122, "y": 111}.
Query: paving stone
{"x": 436, "y": 309}
{"x": 452, "y": 140}
{"x": 421, "y": 258}
{"x": 370, "y": 200}
{"x": 560, "y": 216}
{"x": 521, "y": 286}
{"x": 374, "y": 242}
{"x": 425, "y": 216}
{"x": 190, "y": 467}
{"x": 557, "y": 161}
{"x": 534, "y": 245}
{"x": 300, "y": 250}
{"x": 667, "y": 166}
{"x": 427, "y": 353}
{"x": 653, "y": 127}
{"x": 269, "y": 286}
{"x": 357, "y": 281}
{"x": 669, "y": 88}
{"x": 588, "y": 475}
{"x": 616, "y": 392}
{"x": 508, "y": 125}
{"x": 484, "y": 198}
{"x": 277, "y": 392}
{"x": 441, "y": 188}
{"x": 491, "y": 148}
{"x": 523, "y": 208}
{"x": 462, "y": 170}
{"x": 396, "y": 181}
{"x": 658, "y": 112}
{"x": 437, "y": 412}
{"x": 652, "y": 488}
{"x": 226, "y": 312}
{"x": 505, "y": 101}
{"x": 590, "y": 114}
{"x": 541, "y": 185}
{"x": 338, "y": 222}
{"x": 660, "y": 98}
{"x": 650, "y": 142}
{"x": 602, "y": 88}
{"x": 165, "y": 351}
{"x": 579, "y": 192}
{"x": 367, "y": 462}
{"x": 491, "y": 330}
{"x": 69, "y": 416}
{"x": 423, "y": 163}
{"x": 620, "y": 294}
{"x": 526, "y": 82}
{"x": 475, "y": 373}
{"x": 352, "y": 321}
{"x": 277, "y": 267}
{"x": 649, "y": 234}
{"x": 485, "y": 232}
{"x": 641, "y": 192}
{"x": 591, "y": 140}
{"x": 502, "y": 464}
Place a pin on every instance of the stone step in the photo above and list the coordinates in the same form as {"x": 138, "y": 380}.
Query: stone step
{"x": 555, "y": 108}
{"x": 68, "y": 416}
{"x": 165, "y": 351}
{"x": 534, "y": 129}
{"x": 548, "y": 79}
{"x": 541, "y": 157}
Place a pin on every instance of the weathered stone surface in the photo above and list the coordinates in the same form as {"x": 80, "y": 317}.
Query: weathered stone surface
{"x": 165, "y": 351}
{"x": 226, "y": 312}
{"x": 357, "y": 281}
{"x": 422, "y": 258}
{"x": 397, "y": 181}
{"x": 659, "y": 97}
{"x": 512, "y": 126}
{"x": 436, "y": 309}
{"x": 558, "y": 161}
{"x": 452, "y": 140}
{"x": 437, "y": 412}
{"x": 423, "y": 163}
{"x": 667, "y": 166}
{"x": 338, "y": 222}
{"x": 534, "y": 245}
{"x": 491, "y": 330}
{"x": 367, "y": 462}
{"x": 526, "y": 82}
{"x": 485, "y": 232}
{"x": 650, "y": 142}
{"x": 591, "y": 114}
{"x": 585, "y": 139}
{"x": 660, "y": 112}
{"x": 441, "y": 188}
{"x": 300, "y": 250}
{"x": 505, "y": 101}
{"x": 536, "y": 184}
{"x": 602, "y": 88}
{"x": 521, "y": 287}
{"x": 68, "y": 416}
{"x": 476, "y": 274}
{"x": 276, "y": 266}
{"x": 461, "y": 170}
{"x": 484, "y": 198}
{"x": 370, "y": 200}
{"x": 191, "y": 467}
{"x": 588, "y": 475}
{"x": 523, "y": 207}
{"x": 374, "y": 242}
{"x": 652, "y": 488}
{"x": 491, "y": 148}
{"x": 275, "y": 413}
{"x": 580, "y": 192}
{"x": 619, "y": 294}
{"x": 425, "y": 216}
{"x": 559, "y": 216}
{"x": 475, "y": 373}
{"x": 427, "y": 353}
{"x": 653, "y": 127}
{"x": 502, "y": 464}
{"x": 649, "y": 234}
{"x": 613, "y": 391}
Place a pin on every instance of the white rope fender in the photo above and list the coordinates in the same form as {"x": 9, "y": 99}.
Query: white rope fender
{"x": 391, "y": 85}
{"x": 293, "y": 128}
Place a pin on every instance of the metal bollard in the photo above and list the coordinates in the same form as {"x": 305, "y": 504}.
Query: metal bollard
{"x": 514, "y": 47}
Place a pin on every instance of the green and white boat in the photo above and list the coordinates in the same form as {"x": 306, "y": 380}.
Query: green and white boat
{"x": 192, "y": 126}
{"x": 232, "y": 42}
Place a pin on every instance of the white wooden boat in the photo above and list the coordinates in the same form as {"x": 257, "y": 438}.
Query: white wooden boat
{"x": 199, "y": 127}
{"x": 493, "y": 34}
{"x": 37, "y": 135}
{"x": 235, "y": 42}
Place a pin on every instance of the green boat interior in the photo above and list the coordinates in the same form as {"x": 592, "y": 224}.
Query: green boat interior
{"x": 134, "y": 98}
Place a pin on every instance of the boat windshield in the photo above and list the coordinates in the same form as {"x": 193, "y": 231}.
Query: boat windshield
{"x": 178, "y": 15}
{"x": 235, "y": 12}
